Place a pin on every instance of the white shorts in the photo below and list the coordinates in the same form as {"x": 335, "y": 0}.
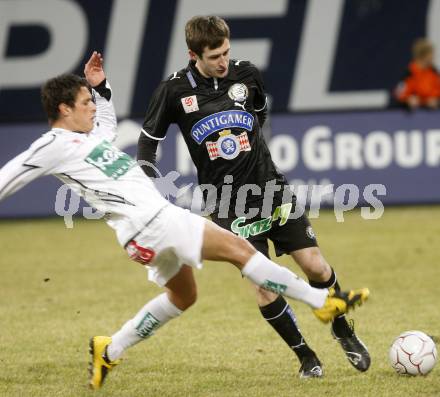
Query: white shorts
{"x": 172, "y": 239}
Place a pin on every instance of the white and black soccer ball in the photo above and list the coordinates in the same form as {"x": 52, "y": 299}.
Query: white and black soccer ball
{"x": 413, "y": 353}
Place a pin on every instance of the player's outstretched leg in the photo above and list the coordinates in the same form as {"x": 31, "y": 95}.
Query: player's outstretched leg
{"x": 221, "y": 245}
{"x": 106, "y": 351}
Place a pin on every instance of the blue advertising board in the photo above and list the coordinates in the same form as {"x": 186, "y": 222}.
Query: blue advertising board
{"x": 395, "y": 153}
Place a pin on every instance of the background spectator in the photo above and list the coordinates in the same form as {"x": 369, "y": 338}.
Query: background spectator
{"x": 420, "y": 86}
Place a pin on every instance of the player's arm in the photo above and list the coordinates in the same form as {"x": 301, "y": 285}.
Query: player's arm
{"x": 27, "y": 166}
{"x": 158, "y": 118}
{"x": 260, "y": 99}
{"x": 106, "y": 121}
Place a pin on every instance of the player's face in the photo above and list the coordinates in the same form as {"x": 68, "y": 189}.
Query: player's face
{"x": 214, "y": 63}
{"x": 82, "y": 115}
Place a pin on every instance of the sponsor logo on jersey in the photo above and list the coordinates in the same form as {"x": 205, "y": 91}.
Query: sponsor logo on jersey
{"x": 228, "y": 145}
{"x": 263, "y": 225}
{"x": 221, "y": 121}
{"x": 190, "y": 104}
{"x": 110, "y": 160}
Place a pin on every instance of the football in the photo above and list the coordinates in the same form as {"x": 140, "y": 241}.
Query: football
{"x": 413, "y": 353}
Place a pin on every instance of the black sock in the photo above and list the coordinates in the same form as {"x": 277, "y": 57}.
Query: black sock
{"x": 331, "y": 282}
{"x": 340, "y": 326}
{"x": 281, "y": 317}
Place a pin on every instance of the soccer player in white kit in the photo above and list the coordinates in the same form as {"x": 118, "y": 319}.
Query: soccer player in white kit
{"x": 169, "y": 240}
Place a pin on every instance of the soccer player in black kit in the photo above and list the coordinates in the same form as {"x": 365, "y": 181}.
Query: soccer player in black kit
{"x": 220, "y": 106}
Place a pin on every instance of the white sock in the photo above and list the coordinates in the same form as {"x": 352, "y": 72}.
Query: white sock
{"x": 268, "y": 275}
{"x": 153, "y": 315}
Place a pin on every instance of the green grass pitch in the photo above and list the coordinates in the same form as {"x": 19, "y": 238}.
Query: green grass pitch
{"x": 60, "y": 286}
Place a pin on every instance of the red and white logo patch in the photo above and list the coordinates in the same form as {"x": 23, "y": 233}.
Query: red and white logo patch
{"x": 190, "y": 104}
{"x": 140, "y": 254}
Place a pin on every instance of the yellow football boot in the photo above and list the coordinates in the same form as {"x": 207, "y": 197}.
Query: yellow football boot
{"x": 100, "y": 365}
{"x": 339, "y": 302}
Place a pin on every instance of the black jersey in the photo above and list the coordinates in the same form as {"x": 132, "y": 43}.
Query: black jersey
{"x": 220, "y": 120}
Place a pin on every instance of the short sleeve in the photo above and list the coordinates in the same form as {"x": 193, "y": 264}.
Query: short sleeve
{"x": 260, "y": 101}
{"x": 160, "y": 113}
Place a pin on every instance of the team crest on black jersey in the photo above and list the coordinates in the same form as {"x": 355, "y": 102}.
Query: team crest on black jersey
{"x": 310, "y": 233}
{"x": 238, "y": 92}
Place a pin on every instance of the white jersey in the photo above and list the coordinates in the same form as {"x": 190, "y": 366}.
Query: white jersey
{"x": 108, "y": 179}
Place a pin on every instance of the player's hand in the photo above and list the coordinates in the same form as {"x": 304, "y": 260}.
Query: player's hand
{"x": 93, "y": 69}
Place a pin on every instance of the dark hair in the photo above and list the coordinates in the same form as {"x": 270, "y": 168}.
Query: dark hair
{"x": 209, "y": 31}
{"x": 58, "y": 90}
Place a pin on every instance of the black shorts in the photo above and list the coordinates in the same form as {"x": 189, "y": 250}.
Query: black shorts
{"x": 287, "y": 235}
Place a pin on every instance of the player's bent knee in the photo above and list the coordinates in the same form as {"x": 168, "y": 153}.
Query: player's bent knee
{"x": 182, "y": 288}
{"x": 183, "y": 300}
{"x": 319, "y": 271}
{"x": 319, "y": 275}
{"x": 191, "y": 297}
{"x": 313, "y": 264}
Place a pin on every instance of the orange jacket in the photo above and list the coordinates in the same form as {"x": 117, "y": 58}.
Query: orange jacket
{"x": 422, "y": 82}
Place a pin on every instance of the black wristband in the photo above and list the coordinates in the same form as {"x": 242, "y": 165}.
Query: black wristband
{"x": 102, "y": 90}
